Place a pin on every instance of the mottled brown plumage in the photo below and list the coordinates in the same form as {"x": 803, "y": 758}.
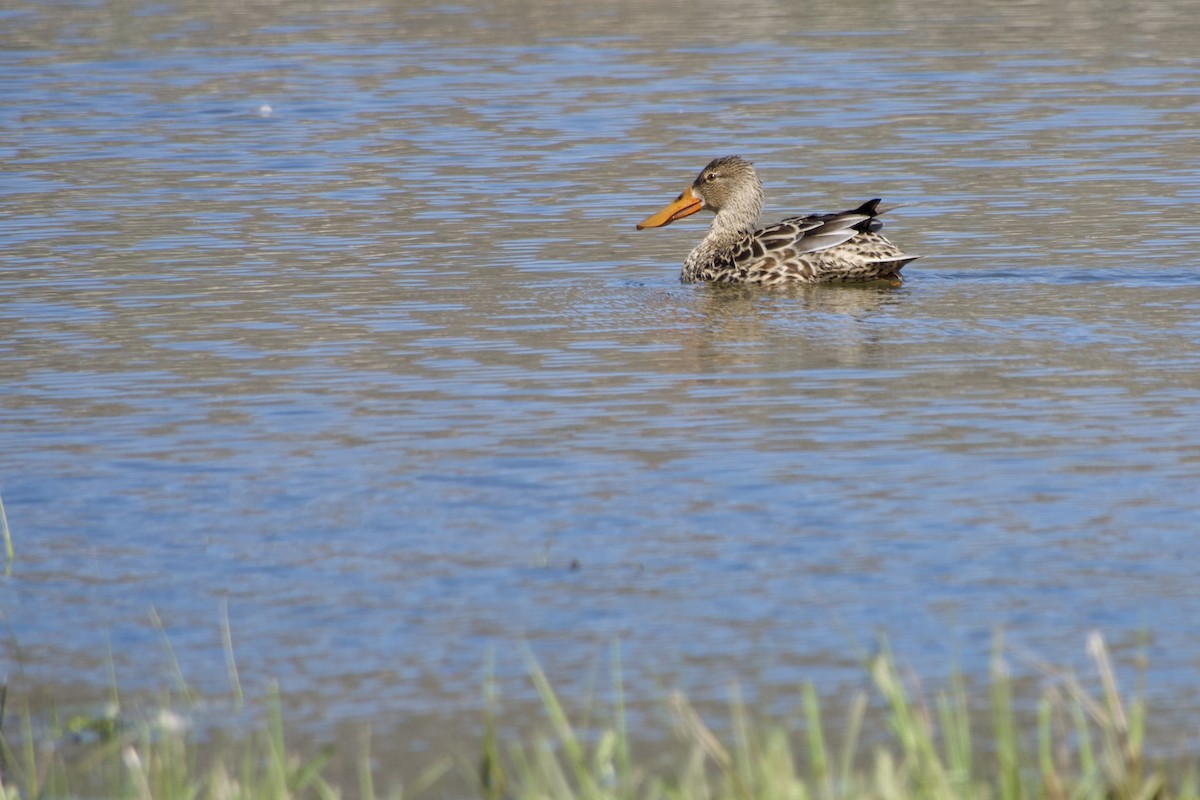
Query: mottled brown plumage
{"x": 819, "y": 248}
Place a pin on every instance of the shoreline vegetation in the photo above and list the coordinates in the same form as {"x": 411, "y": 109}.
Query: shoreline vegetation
{"x": 1075, "y": 743}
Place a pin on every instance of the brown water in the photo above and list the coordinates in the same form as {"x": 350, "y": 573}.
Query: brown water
{"x": 336, "y": 313}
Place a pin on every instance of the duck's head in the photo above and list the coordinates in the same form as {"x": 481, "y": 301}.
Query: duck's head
{"x": 728, "y": 184}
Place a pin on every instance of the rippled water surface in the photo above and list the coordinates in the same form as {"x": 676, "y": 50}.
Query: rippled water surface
{"x": 334, "y": 315}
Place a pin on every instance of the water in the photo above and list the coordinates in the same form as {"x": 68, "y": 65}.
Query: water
{"x": 334, "y": 316}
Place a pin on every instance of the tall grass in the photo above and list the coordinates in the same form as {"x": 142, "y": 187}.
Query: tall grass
{"x": 1079, "y": 746}
{"x": 893, "y": 743}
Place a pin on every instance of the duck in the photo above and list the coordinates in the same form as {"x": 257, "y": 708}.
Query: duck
{"x": 819, "y": 248}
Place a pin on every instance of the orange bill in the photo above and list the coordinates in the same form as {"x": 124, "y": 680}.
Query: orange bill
{"x": 686, "y": 204}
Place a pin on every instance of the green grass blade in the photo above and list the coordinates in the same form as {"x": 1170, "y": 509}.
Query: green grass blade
{"x": 850, "y": 739}
{"x": 623, "y": 760}
{"x": 10, "y": 554}
{"x": 567, "y": 739}
{"x": 230, "y": 662}
{"x": 818, "y": 755}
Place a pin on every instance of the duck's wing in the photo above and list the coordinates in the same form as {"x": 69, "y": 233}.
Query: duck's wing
{"x": 812, "y": 233}
{"x": 806, "y": 248}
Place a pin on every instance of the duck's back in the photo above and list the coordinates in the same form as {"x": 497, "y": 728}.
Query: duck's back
{"x": 818, "y": 248}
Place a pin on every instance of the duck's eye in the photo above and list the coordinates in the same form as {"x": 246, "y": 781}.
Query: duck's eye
{"x": 710, "y": 177}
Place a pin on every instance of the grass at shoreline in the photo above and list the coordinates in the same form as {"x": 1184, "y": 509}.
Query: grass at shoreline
{"x": 1078, "y": 745}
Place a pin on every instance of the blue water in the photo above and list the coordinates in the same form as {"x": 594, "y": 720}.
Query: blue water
{"x": 339, "y": 317}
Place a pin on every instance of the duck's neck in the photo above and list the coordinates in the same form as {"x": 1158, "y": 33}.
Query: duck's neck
{"x": 728, "y": 226}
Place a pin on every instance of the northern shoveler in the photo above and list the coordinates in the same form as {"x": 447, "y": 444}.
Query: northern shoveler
{"x": 819, "y": 248}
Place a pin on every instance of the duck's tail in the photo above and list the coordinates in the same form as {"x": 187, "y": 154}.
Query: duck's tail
{"x": 871, "y": 210}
